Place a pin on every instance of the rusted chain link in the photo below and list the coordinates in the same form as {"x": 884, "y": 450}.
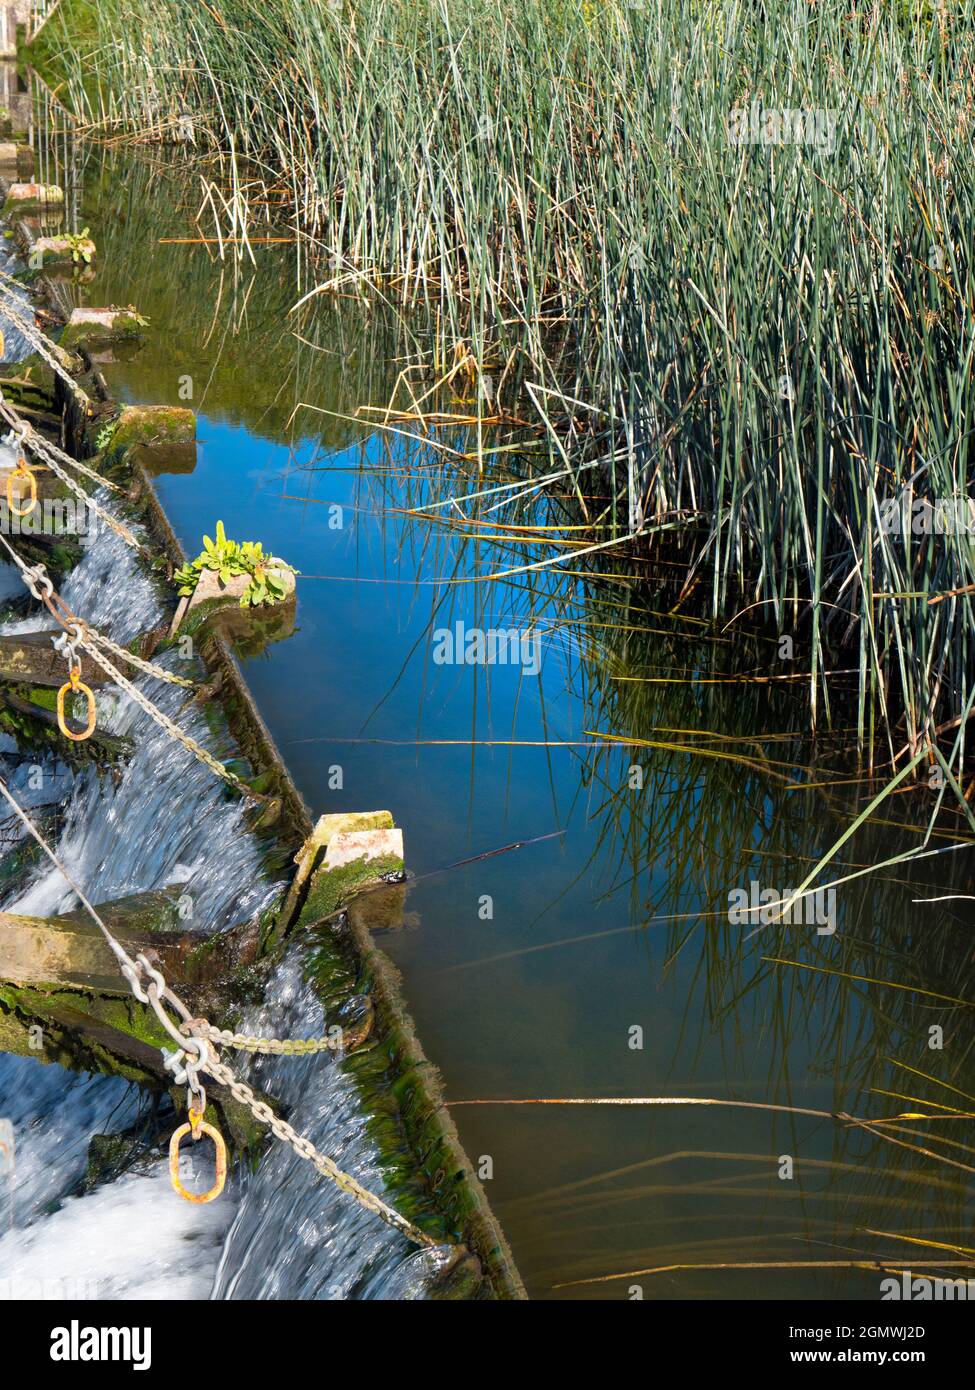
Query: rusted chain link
{"x": 37, "y": 446}
{"x": 322, "y": 1164}
{"x": 273, "y": 1047}
{"x": 195, "y": 1054}
{"x": 67, "y": 646}
{"x": 21, "y": 474}
{"x": 28, "y": 434}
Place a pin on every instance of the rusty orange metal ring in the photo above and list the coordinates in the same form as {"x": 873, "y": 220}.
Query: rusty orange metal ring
{"x": 75, "y": 685}
{"x": 21, "y": 471}
{"x": 221, "y": 1162}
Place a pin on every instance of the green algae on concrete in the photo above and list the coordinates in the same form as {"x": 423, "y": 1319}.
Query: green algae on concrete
{"x": 115, "y": 1036}
{"x": 424, "y": 1164}
{"x": 153, "y": 424}
{"x": 31, "y": 197}
{"x": 333, "y": 887}
{"x": 309, "y": 856}
{"x": 90, "y": 328}
{"x": 71, "y": 950}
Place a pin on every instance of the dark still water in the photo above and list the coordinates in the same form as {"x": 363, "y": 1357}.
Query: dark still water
{"x": 632, "y": 781}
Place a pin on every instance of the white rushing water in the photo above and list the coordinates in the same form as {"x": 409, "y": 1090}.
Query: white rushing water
{"x": 15, "y": 346}
{"x": 280, "y": 1233}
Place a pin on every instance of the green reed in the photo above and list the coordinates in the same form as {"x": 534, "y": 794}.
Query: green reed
{"x": 770, "y": 340}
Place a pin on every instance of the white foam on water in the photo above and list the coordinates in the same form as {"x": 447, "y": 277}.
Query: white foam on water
{"x": 15, "y": 345}
{"x": 48, "y": 1158}
{"x": 131, "y": 1239}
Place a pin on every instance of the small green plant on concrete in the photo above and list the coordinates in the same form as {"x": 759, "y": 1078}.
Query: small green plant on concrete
{"x": 104, "y": 436}
{"x": 228, "y": 559}
{"x": 81, "y": 246}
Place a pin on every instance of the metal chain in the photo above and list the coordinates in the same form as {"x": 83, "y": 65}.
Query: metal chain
{"x": 67, "y": 646}
{"x": 53, "y": 457}
{"x": 194, "y": 1050}
{"x": 38, "y": 582}
{"x": 37, "y": 442}
{"x": 275, "y": 1047}
{"x": 322, "y": 1164}
{"x": 41, "y": 446}
{"x": 22, "y": 317}
{"x": 166, "y": 723}
{"x": 76, "y": 488}
{"x": 195, "y": 1054}
{"x": 150, "y": 668}
{"x": 35, "y": 577}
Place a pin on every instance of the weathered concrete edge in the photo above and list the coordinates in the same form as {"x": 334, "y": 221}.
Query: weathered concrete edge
{"x": 488, "y": 1240}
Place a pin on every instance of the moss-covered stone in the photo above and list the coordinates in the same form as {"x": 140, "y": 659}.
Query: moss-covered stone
{"x": 92, "y": 328}
{"x": 330, "y": 888}
{"x": 31, "y": 197}
{"x": 110, "y": 1155}
{"x": 153, "y": 424}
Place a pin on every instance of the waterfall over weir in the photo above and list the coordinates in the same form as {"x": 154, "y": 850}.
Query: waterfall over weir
{"x": 282, "y": 1232}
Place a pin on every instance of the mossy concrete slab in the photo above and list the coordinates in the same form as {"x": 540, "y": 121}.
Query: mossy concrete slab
{"x": 153, "y": 424}
{"x": 317, "y": 842}
{"x": 30, "y": 197}
{"x": 90, "y": 327}
{"x": 363, "y": 846}
{"x": 71, "y": 952}
{"x": 29, "y": 658}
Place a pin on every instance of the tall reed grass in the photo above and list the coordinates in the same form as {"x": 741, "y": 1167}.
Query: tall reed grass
{"x": 769, "y": 338}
